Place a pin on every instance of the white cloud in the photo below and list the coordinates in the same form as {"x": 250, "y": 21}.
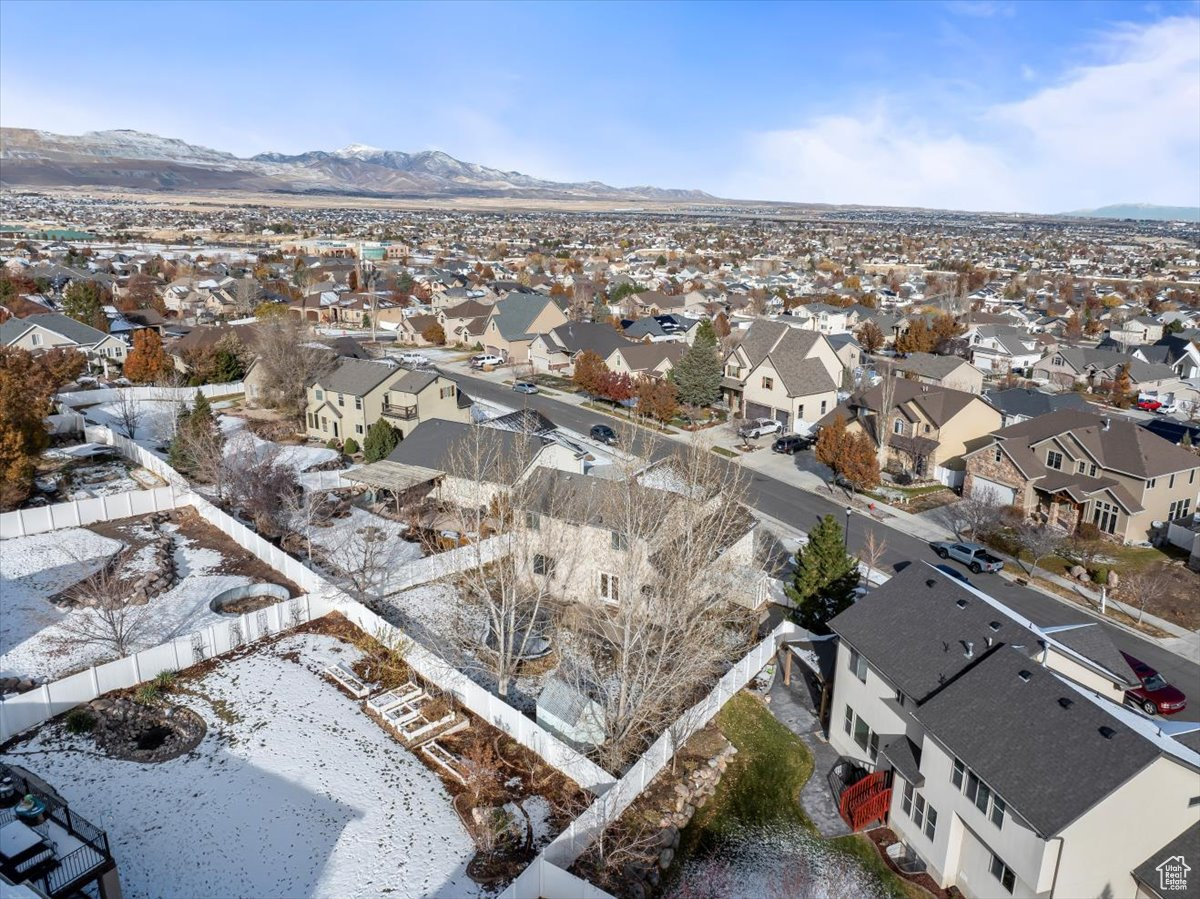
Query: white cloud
{"x": 1124, "y": 129}
{"x": 980, "y": 9}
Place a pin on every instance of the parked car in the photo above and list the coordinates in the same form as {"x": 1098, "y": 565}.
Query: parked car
{"x": 1149, "y": 405}
{"x": 485, "y": 359}
{"x": 1169, "y": 408}
{"x": 791, "y": 444}
{"x": 1155, "y": 696}
{"x": 760, "y": 427}
{"x": 525, "y": 387}
{"x": 413, "y": 359}
{"x": 604, "y": 434}
{"x": 974, "y": 555}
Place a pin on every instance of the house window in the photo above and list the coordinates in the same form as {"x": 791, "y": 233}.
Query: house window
{"x": 312, "y": 420}
{"x": 928, "y": 429}
{"x": 1150, "y": 483}
{"x": 768, "y": 383}
{"x": 999, "y": 807}
{"x": 866, "y": 739}
{"x": 1080, "y": 467}
{"x": 341, "y": 399}
{"x": 1171, "y": 483}
{"x": 446, "y": 392}
{"x": 35, "y": 339}
{"x": 1058, "y": 360}
{"x": 1105, "y": 517}
{"x": 1003, "y": 873}
{"x": 533, "y": 521}
{"x": 358, "y": 403}
{"x": 324, "y": 423}
{"x": 1192, "y": 476}
{"x": 956, "y": 776}
{"x": 898, "y": 426}
{"x": 610, "y": 587}
{"x": 1054, "y": 460}
{"x": 907, "y": 802}
{"x": 848, "y": 724}
{"x": 320, "y": 395}
{"x": 1179, "y": 509}
{"x": 800, "y": 411}
{"x": 930, "y": 823}
{"x": 620, "y": 542}
{"x": 997, "y": 454}
{"x": 543, "y": 565}
{"x": 858, "y": 665}
{"x": 358, "y": 429}
{"x": 824, "y": 403}
{"x": 1092, "y": 470}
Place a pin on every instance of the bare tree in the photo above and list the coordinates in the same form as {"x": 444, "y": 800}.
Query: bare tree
{"x": 976, "y": 515}
{"x": 106, "y": 616}
{"x": 1138, "y": 588}
{"x": 289, "y": 359}
{"x": 366, "y": 558}
{"x": 582, "y": 296}
{"x": 303, "y": 511}
{"x": 872, "y": 552}
{"x": 130, "y": 413}
{"x": 883, "y": 421}
{"x": 1037, "y": 541}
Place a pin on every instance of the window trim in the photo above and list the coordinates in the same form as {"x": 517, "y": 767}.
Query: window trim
{"x": 1054, "y": 459}
{"x": 858, "y": 665}
{"x": 1005, "y": 874}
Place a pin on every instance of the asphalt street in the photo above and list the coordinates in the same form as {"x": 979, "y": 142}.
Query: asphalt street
{"x": 801, "y": 509}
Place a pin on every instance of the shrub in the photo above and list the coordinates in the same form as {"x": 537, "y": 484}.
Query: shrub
{"x": 80, "y": 721}
{"x": 165, "y": 680}
{"x": 147, "y": 694}
{"x": 1100, "y": 575}
{"x": 332, "y": 443}
{"x": 350, "y": 447}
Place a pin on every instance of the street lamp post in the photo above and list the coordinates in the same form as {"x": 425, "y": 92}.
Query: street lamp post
{"x": 846, "y": 533}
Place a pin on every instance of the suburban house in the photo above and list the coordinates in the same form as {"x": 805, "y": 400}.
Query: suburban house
{"x": 346, "y": 400}
{"x": 555, "y": 350}
{"x": 463, "y": 322}
{"x": 570, "y": 508}
{"x": 654, "y": 360}
{"x": 825, "y": 318}
{"x": 939, "y": 371}
{"x": 662, "y": 329}
{"x": 516, "y": 320}
{"x": 1001, "y": 348}
{"x": 1018, "y": 404}
{"x": 53, "y": 330}
{"x": 848, "y": 350}
{"x": 1097, "y": 369}
{"x": 782, "y": 372}
{"x": 1178, "y": 352}
{"x": 1135, "y": 331}
{"x": 411, "y": 329}
{"x": 983, "y": 742}
{"x": 925, "y": 429}
{"x": 1071, "y": 466}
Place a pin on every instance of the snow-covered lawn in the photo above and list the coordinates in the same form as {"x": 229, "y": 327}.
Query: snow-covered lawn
{"x": 364, "y": 539}
{"x": 294, "y": 791}
{"x": 32, "y": 569}
{"x": 240, "y": 441}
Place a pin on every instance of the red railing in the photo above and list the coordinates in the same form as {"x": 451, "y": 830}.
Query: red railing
{"x": 867, "y": 801}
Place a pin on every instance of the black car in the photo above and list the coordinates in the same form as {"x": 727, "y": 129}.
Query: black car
{"x": 604, "y": 434}
{"x": 791, "y": 444}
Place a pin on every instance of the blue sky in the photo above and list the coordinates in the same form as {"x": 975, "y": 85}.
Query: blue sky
{"x": 972, "y": 105}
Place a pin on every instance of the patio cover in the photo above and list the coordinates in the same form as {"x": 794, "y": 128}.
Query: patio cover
{"x": 394, "y": 476}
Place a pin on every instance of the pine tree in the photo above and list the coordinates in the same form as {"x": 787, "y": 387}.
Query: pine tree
{"x": 706, "y": 335}
{"x": 825, "y": 577}
{"x": 381, "y": 440}
{"x": 697, "y": 376}
{"x": 84, "y": 301}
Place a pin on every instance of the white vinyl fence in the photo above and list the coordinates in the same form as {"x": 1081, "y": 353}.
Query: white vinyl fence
{"x": 82, "y": 512}
{"x": 26, "y": 710}
{"x": 442, "y": 565}
{"x": 78, "y": 398}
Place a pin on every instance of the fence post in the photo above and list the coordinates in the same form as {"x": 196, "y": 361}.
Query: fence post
{"x": 137, "y": 669}
{"x": 95, "y": 683}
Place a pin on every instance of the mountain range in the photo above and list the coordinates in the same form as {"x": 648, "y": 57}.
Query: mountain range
{"x": 140, "y": 161}
{"x": 1143, "y": 211}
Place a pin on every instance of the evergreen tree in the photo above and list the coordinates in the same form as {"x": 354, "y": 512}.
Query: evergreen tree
{"x": 825, "y": 577}
{"x": 381, "y": 440}
{"x": 697, "y": 376}
{"x": 84, "y": 301}
{"x": 706, "y": 335}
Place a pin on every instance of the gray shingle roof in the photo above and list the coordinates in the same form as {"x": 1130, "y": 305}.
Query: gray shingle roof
{"x": 413, "y": 381}
{"x": 1183, "y": 845}
{"x": 1031, "y": 403}
{"x": 1033, "y": 739}
{"x": 446, "y": 445}
{"x": 77, "y": 332}
{"x": 357, "y": 377}
{"x": 593, "y": 337}
{"x": 514, "y": 315}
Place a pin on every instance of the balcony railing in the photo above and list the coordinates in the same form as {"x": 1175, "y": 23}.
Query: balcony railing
{"x": 405, "y": 413}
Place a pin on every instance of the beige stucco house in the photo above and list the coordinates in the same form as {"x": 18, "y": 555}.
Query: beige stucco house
{"x": 51, "y": 330}
{"x": 782, "y": 372}
{"x": 346, "y": 400}
{"x": 1072, "y": 466}
{"x": 516, "y": 320}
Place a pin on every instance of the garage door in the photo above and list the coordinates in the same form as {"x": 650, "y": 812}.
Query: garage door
{"x": 1001, "y": 493}
{"x": 758, "y": 410}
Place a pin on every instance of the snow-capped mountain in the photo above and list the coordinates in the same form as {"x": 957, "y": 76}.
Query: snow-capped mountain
{"x": 136, "y": 160}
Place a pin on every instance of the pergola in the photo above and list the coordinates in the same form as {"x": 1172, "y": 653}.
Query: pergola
{"x": 396, "y": 478}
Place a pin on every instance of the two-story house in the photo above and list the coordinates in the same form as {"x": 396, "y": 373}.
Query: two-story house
{"x": 348, "y": 398}
{"x": 982, "y": 742}
{"x": 662, "y": 329}
{"x": 1072, "y": 466}
{"x": 1001, "y": 349}
{"x": 50, "y": 330}
{"x": 782, "y": 372}
{"x": 924, "y": 429}
{"x": 1017, "y": 404}
{"x": 654, "y": 360}
{"x": 555, "y": 351}
{"x": 516, "y": 320}
{"x": 1135, "y": 331}
{"x": 940, "y": 371}
{"x": 1098, "y": 368}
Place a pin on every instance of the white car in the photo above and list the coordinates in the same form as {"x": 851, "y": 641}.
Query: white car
{"x": 413, "y": 359}
{"x": 760, "y": 427}
{"x": 485, "y": 359}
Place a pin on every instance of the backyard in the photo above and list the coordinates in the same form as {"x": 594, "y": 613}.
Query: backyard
{"x": 755, "y": 840}
{"x": 292, "y": 791}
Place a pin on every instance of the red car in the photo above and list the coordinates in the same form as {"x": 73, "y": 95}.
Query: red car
{"x": 1149, "y": 405}
{"x": 1155, "y": 696}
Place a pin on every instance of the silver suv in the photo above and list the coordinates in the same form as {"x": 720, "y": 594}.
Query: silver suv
{"x": 760, "y": 427}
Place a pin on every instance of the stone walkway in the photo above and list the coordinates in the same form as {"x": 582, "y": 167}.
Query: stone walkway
{"x": 792, "y": 706}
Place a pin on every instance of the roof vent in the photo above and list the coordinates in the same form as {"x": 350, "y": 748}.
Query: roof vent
{"x": 930, "y": 582}
{"x": 1024, "y": 675}
{"x": 969, "y": 652}
{"x": 1066, "y": 702}
{"x": 961, "y": 603}
{"x": 1104, "y": 427}
{"x": 1107, "y": 732}
{"x": 995, "y": 625}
